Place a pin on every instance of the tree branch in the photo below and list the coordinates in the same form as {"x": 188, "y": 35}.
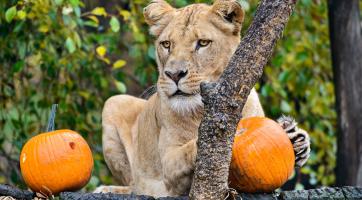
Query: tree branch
{"x": 224, "y": 100}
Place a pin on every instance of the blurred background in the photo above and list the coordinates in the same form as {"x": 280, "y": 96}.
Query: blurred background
{"x": 77, "y": 53}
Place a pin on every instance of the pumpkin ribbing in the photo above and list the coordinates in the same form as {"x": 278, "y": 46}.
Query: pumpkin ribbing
{"x": 262, "y": 157}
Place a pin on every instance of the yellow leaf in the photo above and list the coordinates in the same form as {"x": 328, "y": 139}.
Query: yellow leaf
{"x": 21, "y": 14}
{"x": 106, "y": 60}
{"x": 43, "y": 29}
{"x": 99, "y": 11}
{"x": 84, "y": 94}
{"x": 125, "y": 14}
{"x": 101, "y": 51}
{"x": 34, "y": 60}
{"x": 93, "y": 18}
{"x": 119, "y": 64}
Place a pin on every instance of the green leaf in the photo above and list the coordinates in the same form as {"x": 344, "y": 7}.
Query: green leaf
{"x": 58, "y": 2}
{"x": 19, "y": 26}
{"x": 283, "y": 77}
{"x": 77, "y": 39}
{"x": 245, "y": 5}
{"x": 285, "y": 107}
{"x": 77, "y": 11}
{"x": 302, "y": 56}
{"x": 119, "y": 64}
{"x": 10, "y": 14}
{"x": 151, "y": 52}
{"x": 114, "y": 24}
{"x": 266, "y": 90}
{"x": 18, "y": 66}
{"x": 307, "y": 3}
{"x": 74, "y": 3}
{"x": 120, "y": 86}
{"x": 91, "y": 23}
{"x": 67, "y": 10}
{"x": 69, "y": 43}
{"x": 22, "y": 49}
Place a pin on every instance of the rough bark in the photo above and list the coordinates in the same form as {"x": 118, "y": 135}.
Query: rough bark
{"x": 7, "y": 190}
{"x": 224, "y": 100}
{"x": 346, "y": 45}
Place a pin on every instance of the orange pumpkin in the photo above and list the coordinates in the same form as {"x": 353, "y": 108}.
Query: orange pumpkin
{"x": 262, "y": 156}
{"x": 56, "y": 161}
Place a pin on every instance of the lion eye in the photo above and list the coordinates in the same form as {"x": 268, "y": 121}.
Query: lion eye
{"x": 203, "y": 43}
{"x": 166, "y": 44}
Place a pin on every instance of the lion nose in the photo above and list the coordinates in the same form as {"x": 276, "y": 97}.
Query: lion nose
{"x": 176, "y": 76}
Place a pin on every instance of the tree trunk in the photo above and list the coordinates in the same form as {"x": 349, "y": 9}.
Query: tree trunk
{"x": 224, "y": 100}
{"x": 346, "y": 44}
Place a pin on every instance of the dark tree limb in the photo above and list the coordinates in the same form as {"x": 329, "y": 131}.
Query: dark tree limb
{"x": 7, "y": 190}
{"x": 321, "y": 193}
{"x": 224, "y": 100}
{"x": 346, "y": 44}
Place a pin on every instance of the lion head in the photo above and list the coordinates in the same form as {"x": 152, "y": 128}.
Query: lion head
{"x": 193, "y": 45}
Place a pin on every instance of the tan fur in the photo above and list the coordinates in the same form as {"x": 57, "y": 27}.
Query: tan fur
{"x": 151, "y": 145}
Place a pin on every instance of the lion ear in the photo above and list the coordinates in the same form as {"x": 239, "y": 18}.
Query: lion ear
{"x": 157, "y": 15}
{"x": 230, "y": 15}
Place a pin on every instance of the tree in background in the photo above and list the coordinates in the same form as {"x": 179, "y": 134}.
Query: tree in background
{"x": 346, "y": 44}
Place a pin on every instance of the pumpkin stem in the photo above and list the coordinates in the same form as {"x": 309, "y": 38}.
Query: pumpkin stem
{"x": 51, "y": 118}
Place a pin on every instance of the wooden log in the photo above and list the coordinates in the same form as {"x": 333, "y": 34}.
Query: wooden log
{"x": 334, "y": 193}
{"x": 102, "y": 196}
{"x": 7, "y": 190}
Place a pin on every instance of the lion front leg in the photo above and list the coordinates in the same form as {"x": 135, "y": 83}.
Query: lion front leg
{"x": 113, "y": 189}
{"x": 178, "y": 166}
{"x": 298, "y": 137}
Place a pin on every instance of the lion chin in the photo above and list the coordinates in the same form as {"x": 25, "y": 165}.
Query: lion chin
{"x": 186, "y": 105}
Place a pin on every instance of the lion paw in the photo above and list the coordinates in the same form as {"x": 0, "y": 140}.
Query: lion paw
{"x": 113, "y": 189}
{"x": 298, "y": 137}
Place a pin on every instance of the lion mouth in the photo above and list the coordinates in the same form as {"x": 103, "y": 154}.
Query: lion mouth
{"x": 180, "y": 93}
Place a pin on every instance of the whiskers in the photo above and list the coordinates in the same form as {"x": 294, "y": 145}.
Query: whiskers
{"x": 185, "y": 106}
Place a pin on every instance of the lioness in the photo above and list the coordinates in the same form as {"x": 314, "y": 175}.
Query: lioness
{"x": 150, "y": 145}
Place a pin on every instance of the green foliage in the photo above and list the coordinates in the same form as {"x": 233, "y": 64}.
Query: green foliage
{"x": 76, "y": 55}
{"x": 52, "y": 52}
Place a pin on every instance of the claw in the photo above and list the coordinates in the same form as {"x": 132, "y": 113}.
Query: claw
{"x": 300, "y": 148}
{"x": 288, "y": 123}
{"x": 300, "y": 161}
